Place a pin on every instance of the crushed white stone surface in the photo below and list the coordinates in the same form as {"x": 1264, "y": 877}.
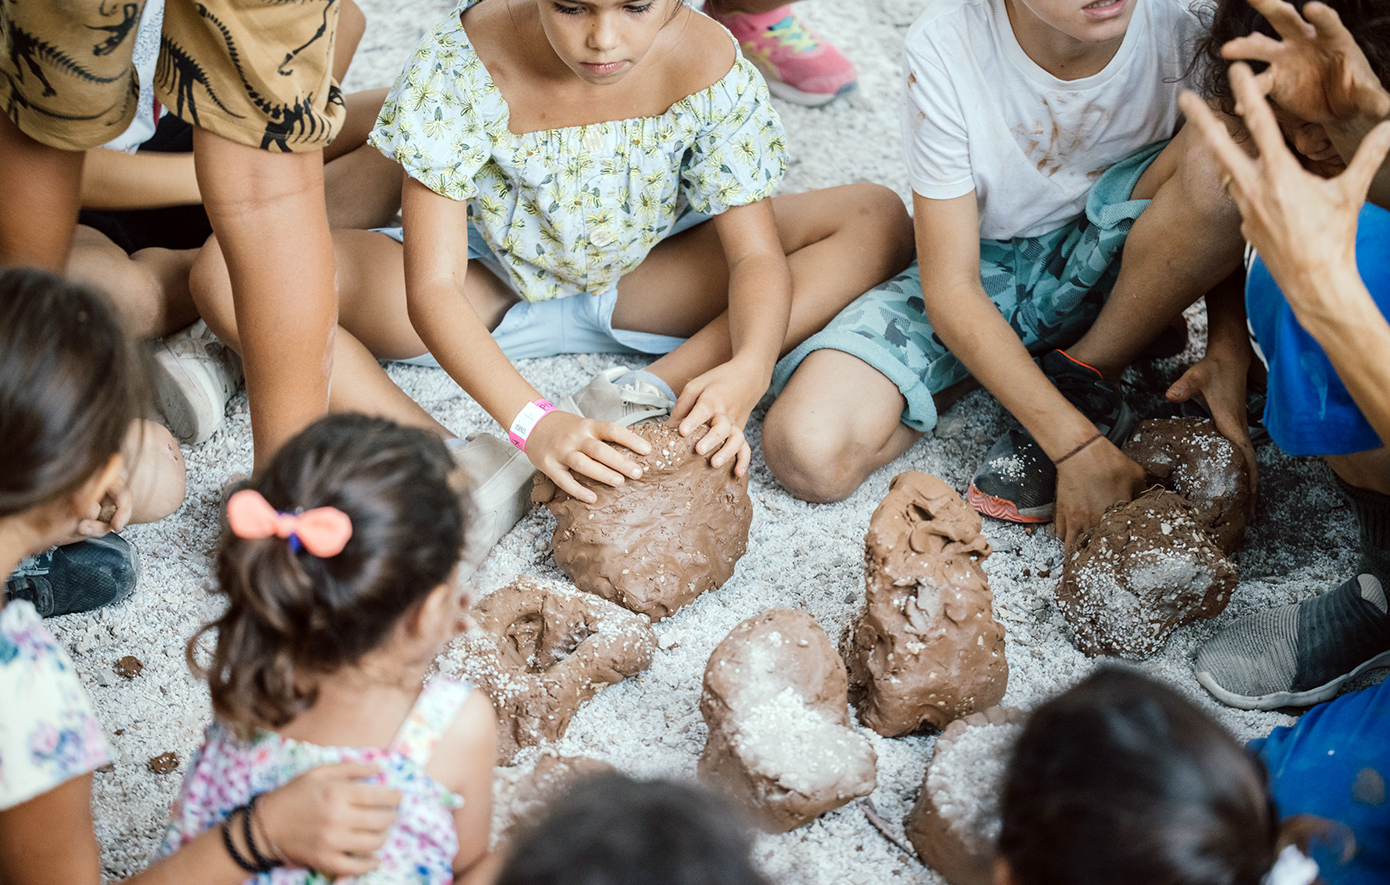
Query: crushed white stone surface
{"x": 800, "y": 555}
{"x": 966, "y": 777}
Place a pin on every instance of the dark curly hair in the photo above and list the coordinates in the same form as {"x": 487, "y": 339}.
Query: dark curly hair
{"x": 291, "y": 613}
{"x": 1368, "y": 21}
{"x": 71, "y": 382}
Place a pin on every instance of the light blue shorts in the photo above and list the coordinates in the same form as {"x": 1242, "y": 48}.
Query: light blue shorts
{"x": 575, "y": 324}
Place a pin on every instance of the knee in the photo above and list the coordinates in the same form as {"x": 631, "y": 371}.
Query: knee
{"x": 157, "y": 475}
{"x": 210, "y": 285}
{"x": 1199, "y": 180}
{"x": 875, "y": 207}
{"x": 812, "y": 461}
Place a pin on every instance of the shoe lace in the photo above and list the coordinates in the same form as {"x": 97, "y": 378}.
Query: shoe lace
{"x": 791, "y": 33}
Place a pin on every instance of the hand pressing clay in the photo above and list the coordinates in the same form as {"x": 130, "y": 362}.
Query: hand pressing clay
{"x": 1146, "y": 569}
{"x": 541, "y": 649}
{"x": 653, "y": 544}
{"x": 521, "y": 797}
{"x": 926, "y": 649}
{"x": 1191, "y": 457}
{"x": 780, "y": 740}
{"x": 955, "y": 823}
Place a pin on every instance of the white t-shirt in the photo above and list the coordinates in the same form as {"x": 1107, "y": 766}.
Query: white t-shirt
{"x": 145, "y": 57}
{"x": 983, "y": 116}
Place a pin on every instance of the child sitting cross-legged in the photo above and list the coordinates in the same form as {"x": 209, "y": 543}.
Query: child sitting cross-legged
{"x": 340, "y": 566}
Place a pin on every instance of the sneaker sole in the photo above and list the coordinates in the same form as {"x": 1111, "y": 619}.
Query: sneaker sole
{"x": 1275, "y": 700}
{"x": 1007, "y": 510}
{"x": 787, "y": 92}
{"x": 178, "y": 399}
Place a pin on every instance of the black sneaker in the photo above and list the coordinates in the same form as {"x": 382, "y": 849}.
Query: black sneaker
{"x": 1300, "y": 654}
{"x": 1018, "y": 482}
{"x": 77, "y": 577}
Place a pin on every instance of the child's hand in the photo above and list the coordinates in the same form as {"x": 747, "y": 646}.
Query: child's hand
{"x": 1090, "y": 481}
{"x": 723, "y": 398}
{"x": 111, "y": 514}
{"x": 1316, "y": 72}
{"x": 328, "y": 820}
{"x": 1221, "y": 386}
{"x": 562, "y": 442}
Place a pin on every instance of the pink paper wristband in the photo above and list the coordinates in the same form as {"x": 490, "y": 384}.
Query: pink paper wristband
{"x": 525, "y": 421}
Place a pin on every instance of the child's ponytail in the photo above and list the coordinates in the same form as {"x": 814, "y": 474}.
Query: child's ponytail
{"x": 294, "y": 613}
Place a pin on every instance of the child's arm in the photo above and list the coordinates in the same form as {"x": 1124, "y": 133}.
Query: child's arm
{"x": 760, "y": 298}
{"x": 447, "y": 321}
{"x": 117, "y": 180}
{"x": 948, "y": 251}
{"x": 325, "y": 819}
{"x": 463, "y": 762}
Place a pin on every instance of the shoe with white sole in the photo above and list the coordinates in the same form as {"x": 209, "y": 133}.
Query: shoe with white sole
{"x": 626, "y": 405}
{"x": 195, "y": 374}
{"x": 501, "y": 477}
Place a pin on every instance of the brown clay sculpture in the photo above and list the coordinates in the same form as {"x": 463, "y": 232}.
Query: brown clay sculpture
{"x": 541, "y": 649}
{"x": 1149, "y": 567}
{"x": 926, "y": 649}
{"x": 1191, "y": 457}
{"x": 780, "y": 740}
{"x": 653, "y": 544}
{"x": 955, "y": 823}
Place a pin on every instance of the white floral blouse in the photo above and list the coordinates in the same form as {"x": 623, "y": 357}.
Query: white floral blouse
{"x": 48, "y": 734}
{"x": 571, "y": 210}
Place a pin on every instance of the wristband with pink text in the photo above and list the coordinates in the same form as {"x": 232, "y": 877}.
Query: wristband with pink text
{"x": 525, "y": 421}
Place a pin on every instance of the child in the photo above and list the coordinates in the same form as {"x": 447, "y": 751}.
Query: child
{"x": 1037, "y": 133}
{"x": 70, "y": 387}
{"x": 613, "y": 830}
{"x": 91, "y": 565}
{"x": 575, "y": 148}
{"x": 1122, "y": 780}
{"x": 340, "y": 567}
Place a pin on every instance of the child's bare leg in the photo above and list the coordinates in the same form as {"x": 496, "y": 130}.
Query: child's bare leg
{"x": 371, "y": 281}
{"x": 149, "y": 288}
{"x": 1366, "y": 470}
{"x": 268, "y": 211}
{"x": 1185, "y": 243}
{"x": 363, "y": 188}
{"x": 155, "y": 472}
{"x": 840, "y": 242}
{"x": 42, "y": 188}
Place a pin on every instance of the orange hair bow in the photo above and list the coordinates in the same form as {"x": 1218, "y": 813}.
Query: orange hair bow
{"x": 323, "y": 531}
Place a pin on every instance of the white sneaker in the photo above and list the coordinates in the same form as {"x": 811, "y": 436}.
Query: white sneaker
{"x": 602, "y": 400}
{"x": 195, "y": 375}
{"x": 501, "y": 479}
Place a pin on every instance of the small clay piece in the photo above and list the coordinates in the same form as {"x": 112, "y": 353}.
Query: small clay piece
{"x": 925, "y": 650}
{"x": 1191, "y": 457}
{"x": 780, "y": 739}
{"x": 653, "y": 544}
{"x": 1149, "y": 567}
{"x": 164, "y": 763}
{"x": 128, "y": 667}
{"x": 541, "y": 649}
{"x": 955, "y": 822}
{"x": 523, "y": 796}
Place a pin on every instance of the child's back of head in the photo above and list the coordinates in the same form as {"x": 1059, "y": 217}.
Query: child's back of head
{"x": 1122, "y": 780}
{"x": 71, "y": 383}
{"x": 294, "y": 615}
{"x": 613, "y": 830}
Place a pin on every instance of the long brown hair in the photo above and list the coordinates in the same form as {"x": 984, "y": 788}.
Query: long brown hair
{"x": 291, "y": 614}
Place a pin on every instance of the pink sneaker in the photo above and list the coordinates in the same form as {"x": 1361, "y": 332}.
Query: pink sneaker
{"x": 798, "y": 64}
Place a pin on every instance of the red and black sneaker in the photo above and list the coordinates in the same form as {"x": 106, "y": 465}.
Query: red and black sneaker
{"x": 1018, "y": 482}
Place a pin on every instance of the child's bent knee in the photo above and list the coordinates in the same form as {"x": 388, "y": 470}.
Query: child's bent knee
{"x": 813, "y": 462}
{"x": 157, "y": 474}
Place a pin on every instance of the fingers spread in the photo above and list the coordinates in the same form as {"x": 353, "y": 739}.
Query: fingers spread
{"x": 1252, "y": 47}
{"x": 1369, "y": 157}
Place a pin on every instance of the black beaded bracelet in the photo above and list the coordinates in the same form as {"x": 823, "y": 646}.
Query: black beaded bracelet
{"x": 266, "y": 864}
{"x": 227, "y": 840}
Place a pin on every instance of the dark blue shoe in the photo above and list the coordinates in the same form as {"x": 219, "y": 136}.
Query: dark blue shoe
{"x": 77, "y": 577}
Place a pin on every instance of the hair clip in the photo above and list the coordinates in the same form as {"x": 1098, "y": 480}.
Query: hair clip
{"x": 323, "y": 531}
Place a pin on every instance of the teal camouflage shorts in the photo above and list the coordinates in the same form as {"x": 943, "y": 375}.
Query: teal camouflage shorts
{"x": 1050, "y": 288}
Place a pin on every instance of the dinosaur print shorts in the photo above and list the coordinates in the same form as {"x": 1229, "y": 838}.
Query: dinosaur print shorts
{"x": 257, "y": 72}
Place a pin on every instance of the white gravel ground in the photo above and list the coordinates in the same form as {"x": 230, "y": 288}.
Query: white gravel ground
{"x": 800, "y": 555}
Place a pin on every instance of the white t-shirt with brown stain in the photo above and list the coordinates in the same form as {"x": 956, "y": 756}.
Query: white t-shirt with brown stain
{"x": 983, "y": 116}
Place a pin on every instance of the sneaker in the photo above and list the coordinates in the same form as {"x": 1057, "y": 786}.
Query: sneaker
{"x": 628, "y": 405}
{"x": 195, "y": 374}
{"x": 798, "y": 64}
{"x": 77, "y": 577}
{"x": 1301, "y": 654}
{"x": 1018, "y": 482}
{"x": 501, "y": 477}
